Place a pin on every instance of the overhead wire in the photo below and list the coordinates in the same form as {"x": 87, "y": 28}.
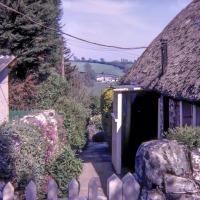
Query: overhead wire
{"x": 81, "y": 45}
{"x": 69, "y": 35}
{"x": 99, "y": 49}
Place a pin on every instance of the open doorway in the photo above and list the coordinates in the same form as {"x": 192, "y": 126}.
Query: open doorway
{"x": 143, "y": 126}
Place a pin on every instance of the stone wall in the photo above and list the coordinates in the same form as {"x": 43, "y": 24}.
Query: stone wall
{"x": 167, "y": 170}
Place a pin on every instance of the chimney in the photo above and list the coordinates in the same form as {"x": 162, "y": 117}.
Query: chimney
{"x": 164, "y": 58}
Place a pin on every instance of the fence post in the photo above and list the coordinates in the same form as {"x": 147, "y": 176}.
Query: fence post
{"x": 131, "y": 189}
{"x": 114, "y": 188}
{"x": 92, "y": 189}
{"x": 73, "y": 189}
{"x": 31, "y": 191}
{"x": 52, "y": 191}
{"x": 8, "y": 192}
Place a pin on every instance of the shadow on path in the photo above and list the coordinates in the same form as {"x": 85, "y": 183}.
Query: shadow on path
{"x": 96, "y": 163}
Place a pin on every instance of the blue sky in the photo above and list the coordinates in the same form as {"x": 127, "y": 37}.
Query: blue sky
{"x": 125, "y": 23}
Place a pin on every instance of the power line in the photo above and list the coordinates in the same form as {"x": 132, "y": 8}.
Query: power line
{"x": 99, "y": 49}
{"x": 69, "y": 35}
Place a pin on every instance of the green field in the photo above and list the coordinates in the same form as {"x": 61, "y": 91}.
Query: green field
{"x": 98, "y": 87}
{"x": 100, "y": 68}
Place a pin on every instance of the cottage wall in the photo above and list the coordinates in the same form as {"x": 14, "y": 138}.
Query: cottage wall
{"x": 4, "y": 108}
{"x": 160, "y": 117}
{"x": 174, "y": 113}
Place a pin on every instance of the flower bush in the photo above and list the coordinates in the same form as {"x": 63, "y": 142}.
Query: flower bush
{"x": 31, "y": 147}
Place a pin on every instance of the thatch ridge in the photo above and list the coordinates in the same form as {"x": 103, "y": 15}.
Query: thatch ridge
{"x": 181, "y": 79}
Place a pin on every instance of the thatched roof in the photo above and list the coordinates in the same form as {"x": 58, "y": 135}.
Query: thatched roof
{"x": 181, "y": 78}
{"x": 5, "y": 61}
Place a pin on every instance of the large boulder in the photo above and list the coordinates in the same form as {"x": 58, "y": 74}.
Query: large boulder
{"x": 156, "y": 158}
{"x": 195, "y": 163}
{"x": 154, "y": 194}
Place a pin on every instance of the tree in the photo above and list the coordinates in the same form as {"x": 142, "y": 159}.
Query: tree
{"x": 82, "y": 59}
{"x": 90, "y": 75}
{"x": 37, "y": 48}
{"x": 102, "y": 60}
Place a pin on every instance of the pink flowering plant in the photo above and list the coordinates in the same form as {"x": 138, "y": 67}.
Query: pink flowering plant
{"x": 26, "y": 146}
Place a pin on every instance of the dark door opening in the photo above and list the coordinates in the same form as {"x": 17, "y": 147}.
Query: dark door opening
{"x": 144, "y": 125}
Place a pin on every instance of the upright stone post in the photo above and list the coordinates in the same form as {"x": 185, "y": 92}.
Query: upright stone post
{"x": 131, "y": 189}
{"x": 52, "y": 191}
{"x": 73, "y": 190}
{"x": 31, "y": 191}
{"x": 114, "y": 188}
{"x": 92, "y": 189}
{"x": 8, "y": 192}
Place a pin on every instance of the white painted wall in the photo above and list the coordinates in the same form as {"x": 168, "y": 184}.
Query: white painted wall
{"x": 117, "y": 132}
{"x": 4, "y": 105}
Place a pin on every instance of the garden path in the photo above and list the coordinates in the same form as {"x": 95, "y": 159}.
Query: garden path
{"x": 96, "y": 163}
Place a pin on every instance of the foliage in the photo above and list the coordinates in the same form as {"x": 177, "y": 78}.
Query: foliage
{"x": 22, "y": 92}
{"x": 95, "y": 105}
{"x": 187, "y": 135}
{"x": 22, "y": 155}
{"x": 50, "y": 90}
{"x": 89, "y": 75}
{"x": 36, "y": 48}
{"x": 59, "y": 94}
{"x": 75, "y": 120}
{"x": 106, "y": 110}
{"x": 34, "y": 45}
{"x": 63, "y": 167}
{"x": 98, "y": 87}
{"x": 32, "y": 148}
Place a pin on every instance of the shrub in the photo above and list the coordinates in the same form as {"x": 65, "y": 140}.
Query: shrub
{"x": 95, "y": 105}
{"x": 56, "y": 93}
{"x": 75, "y": 120}
{"x": 22, "y": 155}
{"x": 63, "y": 167}
{"x": 106, "y": 110}
{"x": 50, "y": 90}
{"x": 186, "y": 135}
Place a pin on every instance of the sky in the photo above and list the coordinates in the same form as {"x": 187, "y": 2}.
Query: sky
{"x": 123, "y": 23}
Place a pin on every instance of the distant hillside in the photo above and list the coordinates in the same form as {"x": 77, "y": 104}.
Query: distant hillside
{"x": 99, "y": 69}
{"x": 102, "y": 70}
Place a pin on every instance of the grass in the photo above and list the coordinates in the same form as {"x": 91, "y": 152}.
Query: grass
{"x": 98, "y": 87}
{"x": 103, "y": 69}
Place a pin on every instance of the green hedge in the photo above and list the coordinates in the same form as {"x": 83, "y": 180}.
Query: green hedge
{"x": 107, "y": 97}
{"x": 63, "y": 167}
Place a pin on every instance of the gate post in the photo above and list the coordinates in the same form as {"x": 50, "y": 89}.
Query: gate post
{"x": 117, "y": 131}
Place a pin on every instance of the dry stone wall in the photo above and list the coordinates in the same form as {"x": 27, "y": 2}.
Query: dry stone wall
{"x": 167, "y": 170}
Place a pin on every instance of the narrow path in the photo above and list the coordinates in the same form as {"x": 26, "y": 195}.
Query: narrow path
{"x": 96, "y": 163}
